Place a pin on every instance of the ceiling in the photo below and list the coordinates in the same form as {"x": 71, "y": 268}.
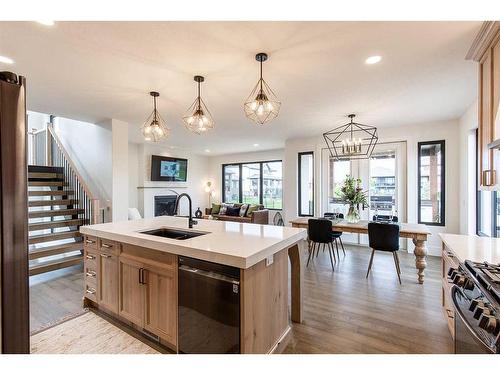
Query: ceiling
{"x": 93, "y": 71}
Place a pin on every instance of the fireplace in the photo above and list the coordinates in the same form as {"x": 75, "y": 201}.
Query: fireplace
{"x": 165, "y": 205}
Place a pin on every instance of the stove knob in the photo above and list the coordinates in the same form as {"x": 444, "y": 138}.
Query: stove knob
{"x": 489, "y": 323}
{"x": 451, "y": 272}
{"x": 469, "y": 284}
{"x": 481, "y": 310}
{"x": 459, "y": 280}
{"x": 474, "y": 303}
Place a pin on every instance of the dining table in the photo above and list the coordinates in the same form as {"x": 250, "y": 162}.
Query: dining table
{"x": 418, "y": 233}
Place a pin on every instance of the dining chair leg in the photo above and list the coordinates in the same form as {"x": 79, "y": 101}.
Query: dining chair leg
{"x": 370, "y": 264}
{"x": 342, "y": 244}
{"x": 395, "y": 257}
{"x": 337, "y": 247}
{"x": 333, "y": 252}
{"x": 330, "y": 249}
{"x": 311, "y": 252}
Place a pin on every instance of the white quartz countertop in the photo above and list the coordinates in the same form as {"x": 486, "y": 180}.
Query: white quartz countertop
{"x": 239, "y": 245}
{"x": 475, "y": 248}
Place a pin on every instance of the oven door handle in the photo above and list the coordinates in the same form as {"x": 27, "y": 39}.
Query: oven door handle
{"x": 454, "y": 291}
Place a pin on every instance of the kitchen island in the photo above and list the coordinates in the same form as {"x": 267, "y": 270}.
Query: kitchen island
{"x": 134, "y": 277}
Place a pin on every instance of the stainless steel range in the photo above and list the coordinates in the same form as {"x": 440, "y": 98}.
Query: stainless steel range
{"x": 476, "y": 297}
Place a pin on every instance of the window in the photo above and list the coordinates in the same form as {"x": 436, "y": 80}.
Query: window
{"x": 383, "y": 183}
{"x": 306, "y": 183}
{"x": 338, "y": 170}
{"x": 231, "y": 183}
{"x": 431, "y": 182}
{"x": 254, "y": 183}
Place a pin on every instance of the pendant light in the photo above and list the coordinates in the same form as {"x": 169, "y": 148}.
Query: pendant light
{"x": 351, "y": 141}
{"x": 155, "y": 128}
{"x": 262, "y": 105}
{"x": 198, "y": 118}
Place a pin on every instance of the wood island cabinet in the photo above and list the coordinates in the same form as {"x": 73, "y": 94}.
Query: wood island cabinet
{"x": 107, "y": 295}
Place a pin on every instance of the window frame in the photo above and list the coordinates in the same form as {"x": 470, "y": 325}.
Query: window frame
{"x": 442, "y": 222}
{"x": 261, "y": 184}
{"x": 299, "y": 157}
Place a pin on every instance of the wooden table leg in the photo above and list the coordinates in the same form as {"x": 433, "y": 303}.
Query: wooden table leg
{"x": 420, "y": 258}
{"x": 297, "y": 280}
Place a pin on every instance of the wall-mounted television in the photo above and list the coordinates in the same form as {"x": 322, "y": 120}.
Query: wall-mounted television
{"x": 164, "y": 168}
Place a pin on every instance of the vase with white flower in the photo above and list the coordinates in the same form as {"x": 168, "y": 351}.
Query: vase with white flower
{"x": 352, "y": 194}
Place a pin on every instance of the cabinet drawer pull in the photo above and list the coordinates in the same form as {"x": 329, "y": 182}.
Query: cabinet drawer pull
{"x": 450, "y": 314}
{"x": 91, "y": 257}
{"x": 491, "y": 173}
{"x": 90, "y": 273}
{"x": 91, "y": 291}
{"x": 89, "y": 242}
{"x": 106, "y": 256}
{"x": 106, "y": 246}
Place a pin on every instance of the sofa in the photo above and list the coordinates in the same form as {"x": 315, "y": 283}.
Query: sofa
{"x": 259, "y": 215}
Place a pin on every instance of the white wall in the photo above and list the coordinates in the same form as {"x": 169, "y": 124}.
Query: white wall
{"x": 467, "y": 177}
{"x": 142, "y": 190}
{"x": 89, "y": 146}
{"x": 133, "y": 174}
{"x": 120, "y": 168}
{"x": 412, "y": 134}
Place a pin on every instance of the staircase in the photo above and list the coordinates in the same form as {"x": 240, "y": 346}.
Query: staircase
{"x": 59, "y": 202}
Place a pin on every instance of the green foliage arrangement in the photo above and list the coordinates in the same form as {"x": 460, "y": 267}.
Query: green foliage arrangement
{"x": 351, "y": 192}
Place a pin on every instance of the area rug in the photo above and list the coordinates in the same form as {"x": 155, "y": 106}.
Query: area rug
{"x": 87, "y": 334}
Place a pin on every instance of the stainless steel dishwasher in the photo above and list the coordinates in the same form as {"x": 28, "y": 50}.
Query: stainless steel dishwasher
{"x": 209, "y": 307}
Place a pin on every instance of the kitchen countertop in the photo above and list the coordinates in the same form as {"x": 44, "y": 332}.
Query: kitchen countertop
{"x": 239, "y": 245}
{"x": 475, "y": 248}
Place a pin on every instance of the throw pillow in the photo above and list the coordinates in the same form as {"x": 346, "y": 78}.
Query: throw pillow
{"x": 251, "y": 210}
{"x": 233, "y": 211}
{"x": 223, "y": 208}
{"x": 243, "y": 210}
{"x": 215, "y": 209}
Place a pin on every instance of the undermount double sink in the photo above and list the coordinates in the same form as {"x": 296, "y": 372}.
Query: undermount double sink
{"x": 175, "y": 234}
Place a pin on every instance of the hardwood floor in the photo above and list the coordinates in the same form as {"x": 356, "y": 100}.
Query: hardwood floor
{"x": 55, "y": 296}
{"x": 346, "y": 313}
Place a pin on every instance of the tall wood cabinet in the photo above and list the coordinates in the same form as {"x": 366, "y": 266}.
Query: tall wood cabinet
{"x": 486, "y": 51}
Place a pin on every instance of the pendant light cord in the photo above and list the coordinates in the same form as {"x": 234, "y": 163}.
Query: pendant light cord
{"x": 199, "y": 96}
{"x": 261, "y": 75}
{"x": 155, "y": 111}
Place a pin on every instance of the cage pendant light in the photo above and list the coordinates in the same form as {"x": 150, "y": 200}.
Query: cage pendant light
{"x": 155, "y": 128}
{"x": 198, "y": 118}
{"x": 262, "y": 105}
{"x": 351, "y": 141}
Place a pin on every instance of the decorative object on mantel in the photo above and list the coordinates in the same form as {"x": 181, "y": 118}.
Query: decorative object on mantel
{"x": 155, "y": 128}
{"x": 198, "y": 213}
{"x": 351, "y": 141}
{"x": 352, "y": 194}
{"x": 198, "y": 118}
{"x": 262, "y": 105}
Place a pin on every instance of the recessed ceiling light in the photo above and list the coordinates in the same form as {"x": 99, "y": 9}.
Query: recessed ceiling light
{"x": 207, "y": 150}
{"x": 6, "y": 60}
{"x": 373, "y": 59}
{"x": 46, "y": 22}
{"x": 255, "y": 145}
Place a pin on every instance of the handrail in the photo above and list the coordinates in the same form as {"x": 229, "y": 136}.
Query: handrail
{"x": 60, "y": 158}
{"x": 56, "y": 139}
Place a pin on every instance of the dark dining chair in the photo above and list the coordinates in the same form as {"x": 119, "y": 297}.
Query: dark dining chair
{"x": 384, "y": 237}
{"x": 385, "y": 218}
{"x": 319, "y": 233}
{"x": 336, "y": 235}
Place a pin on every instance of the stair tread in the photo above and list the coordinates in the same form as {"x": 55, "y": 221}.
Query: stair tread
{"x": 52, "y": 202}
{"x": 39, "y": 238}
{"x": 54, "y": 224}
{"x": 59, "y": 212}
{"x": 47, "y": 183}
{"x": 45, "y": 175}
{"x": 41, "y": 193}
{"x": 55, "y": 264}
{"x": 55, "y": 249}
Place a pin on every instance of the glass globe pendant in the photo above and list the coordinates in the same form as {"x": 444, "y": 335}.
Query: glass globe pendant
{"x": 198, "y": 118}
{"x": 262, "y": 105}
{"x": 154, "y": 128}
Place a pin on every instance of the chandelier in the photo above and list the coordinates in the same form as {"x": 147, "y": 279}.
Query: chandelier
{"x": 262, "y": 105}
{"x": 198, "y": 118}
{"x": 351, "y": 141}
{"x": 155, "y": 128}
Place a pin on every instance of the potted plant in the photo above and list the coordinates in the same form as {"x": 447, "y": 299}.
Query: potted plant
{"x": 352, "y": 194}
